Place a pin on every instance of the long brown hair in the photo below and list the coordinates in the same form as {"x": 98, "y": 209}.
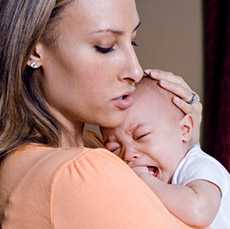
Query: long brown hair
{"x": 23, "y": 115}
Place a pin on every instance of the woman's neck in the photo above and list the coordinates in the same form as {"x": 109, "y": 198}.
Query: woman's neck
{"x": 72, "y": 136}
{"x": 71, "y": 131}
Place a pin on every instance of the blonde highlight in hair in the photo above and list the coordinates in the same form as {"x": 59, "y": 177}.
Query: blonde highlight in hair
{"x": 24, "y": 117}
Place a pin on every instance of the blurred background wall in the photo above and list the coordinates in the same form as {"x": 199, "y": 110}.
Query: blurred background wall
{"x": 171, "y": 39}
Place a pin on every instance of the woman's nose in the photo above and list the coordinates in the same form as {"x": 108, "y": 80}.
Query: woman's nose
{"x": 132, "y": 72}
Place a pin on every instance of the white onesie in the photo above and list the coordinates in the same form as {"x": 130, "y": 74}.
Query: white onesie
{"x": 199, "y": 165}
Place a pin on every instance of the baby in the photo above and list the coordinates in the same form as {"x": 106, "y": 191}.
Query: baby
{"x": 155, "y": 141}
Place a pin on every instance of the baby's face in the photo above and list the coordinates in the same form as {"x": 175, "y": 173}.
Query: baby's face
{"x": 149, "y": 139}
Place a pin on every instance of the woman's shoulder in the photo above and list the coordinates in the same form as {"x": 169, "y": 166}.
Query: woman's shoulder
{"x": 31, "y": 175}
{"x": 43, "y": 164}
{"x": 48, "y": 160}
{"x": 75, "y": 160}
{"x": 54, "y": 160}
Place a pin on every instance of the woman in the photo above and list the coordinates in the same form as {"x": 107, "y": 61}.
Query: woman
{"x": 64, "y": 63}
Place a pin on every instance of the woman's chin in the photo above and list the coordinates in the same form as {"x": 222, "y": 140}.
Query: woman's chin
{"x": 112, "y": 121}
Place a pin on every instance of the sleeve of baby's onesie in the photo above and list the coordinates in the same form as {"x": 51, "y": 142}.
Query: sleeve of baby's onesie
{"x": 99, "y": 191}
{"x": 204, "y": 168}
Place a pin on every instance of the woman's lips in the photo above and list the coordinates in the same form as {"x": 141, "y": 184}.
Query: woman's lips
{"x": 123, "y": 102}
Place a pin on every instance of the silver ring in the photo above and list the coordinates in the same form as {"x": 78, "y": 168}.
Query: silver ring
{"x": 194, "y": 99}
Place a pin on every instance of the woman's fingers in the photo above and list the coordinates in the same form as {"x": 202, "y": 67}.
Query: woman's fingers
{"x": 166, "y": 76}
{"x": 188, "y": 108}
{"x": 185, "y": 98}
{"x": 195, "y": 110}
{"x": 177, "y": 89}
{"x": 182, "y": 105}
{"x": 174, "y": 84}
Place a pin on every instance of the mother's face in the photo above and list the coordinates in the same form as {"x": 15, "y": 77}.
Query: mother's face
{"x": 88, "y": 74}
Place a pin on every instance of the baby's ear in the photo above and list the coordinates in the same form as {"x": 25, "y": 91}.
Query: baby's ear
{"x": 186, "y": 127}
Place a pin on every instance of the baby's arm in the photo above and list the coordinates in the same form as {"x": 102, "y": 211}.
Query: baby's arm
{"x": 196, "y": 204}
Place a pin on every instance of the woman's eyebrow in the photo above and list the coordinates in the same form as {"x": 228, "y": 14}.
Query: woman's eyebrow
{"x": 118, "y": 32}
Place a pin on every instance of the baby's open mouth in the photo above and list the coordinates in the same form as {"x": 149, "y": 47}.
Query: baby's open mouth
{"x": 153, "y": 170}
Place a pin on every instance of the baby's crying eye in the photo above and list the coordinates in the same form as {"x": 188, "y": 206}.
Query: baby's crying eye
{"x": 113, "y": 147}
{"x": 141, "y": 136}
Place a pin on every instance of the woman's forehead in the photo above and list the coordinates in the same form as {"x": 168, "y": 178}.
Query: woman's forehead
{"x": 103, "y": 15}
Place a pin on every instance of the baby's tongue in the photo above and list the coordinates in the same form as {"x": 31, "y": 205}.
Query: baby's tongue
{"x": 153, "y": 170}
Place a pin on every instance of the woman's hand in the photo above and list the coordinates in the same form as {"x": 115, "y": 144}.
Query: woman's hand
{"x": 185, "y": 98}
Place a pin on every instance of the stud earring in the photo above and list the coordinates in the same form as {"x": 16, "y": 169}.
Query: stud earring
{"x": 34, "y": 65}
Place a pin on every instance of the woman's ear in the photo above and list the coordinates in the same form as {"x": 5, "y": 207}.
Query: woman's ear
{"x": 35, "y": 58}
{"x": 186, "y": 127}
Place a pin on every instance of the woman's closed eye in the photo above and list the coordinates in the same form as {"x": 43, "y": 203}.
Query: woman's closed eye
{"x": 105, "y": 50}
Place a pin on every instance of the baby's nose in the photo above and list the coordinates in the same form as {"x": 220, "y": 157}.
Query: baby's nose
{"x": 131, "y": 155}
